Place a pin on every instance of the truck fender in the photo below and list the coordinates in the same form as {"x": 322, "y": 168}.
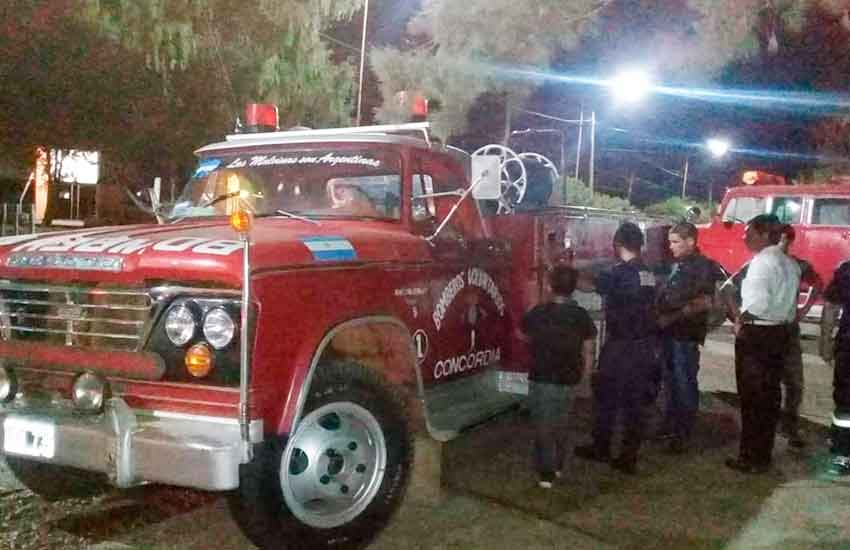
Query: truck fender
{"x": 391, "y": 352}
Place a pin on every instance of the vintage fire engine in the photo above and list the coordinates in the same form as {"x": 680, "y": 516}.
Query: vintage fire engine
{"x": 819, "y": 214}
{"x": 312, "y": 300}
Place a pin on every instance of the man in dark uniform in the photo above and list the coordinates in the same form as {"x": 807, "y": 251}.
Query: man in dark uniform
{"x": 628, "y": 373}
{"x": 683, "y": 316}
{"x": 838, "y": 298}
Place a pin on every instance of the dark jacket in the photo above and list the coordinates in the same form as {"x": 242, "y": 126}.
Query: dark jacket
{"x": 691, "y": 277}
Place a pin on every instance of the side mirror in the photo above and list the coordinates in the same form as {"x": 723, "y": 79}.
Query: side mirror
{"x": 486, "y": 177}
{"x": 692, "y": 214}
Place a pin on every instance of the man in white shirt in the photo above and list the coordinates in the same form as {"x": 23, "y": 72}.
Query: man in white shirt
{"x": 763, "y": 332}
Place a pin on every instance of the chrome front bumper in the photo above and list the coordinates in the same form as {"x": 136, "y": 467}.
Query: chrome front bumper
{"x": 131, "y": 447}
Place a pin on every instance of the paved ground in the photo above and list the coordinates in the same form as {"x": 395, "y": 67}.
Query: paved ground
{"x": 492, "y": 501}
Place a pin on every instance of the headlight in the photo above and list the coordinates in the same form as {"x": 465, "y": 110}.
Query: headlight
{"x": 180, "y": 325}
{"x": 8, "y": 385}
{"x": 219, "y": 328}
{"x": 89, "y": 392}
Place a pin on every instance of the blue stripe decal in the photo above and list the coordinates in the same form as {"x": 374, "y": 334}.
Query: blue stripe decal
{"x": 330, "y": 249}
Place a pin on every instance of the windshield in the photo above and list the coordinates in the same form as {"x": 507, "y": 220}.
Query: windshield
{"x": 310, "y": 183}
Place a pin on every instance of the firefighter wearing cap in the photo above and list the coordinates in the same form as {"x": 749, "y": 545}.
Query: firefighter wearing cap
{"x": 628, "y": 374}
{"x": 837, "y": 297}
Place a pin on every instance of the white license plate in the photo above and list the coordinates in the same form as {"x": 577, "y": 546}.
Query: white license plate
{"x": 29, "y": 437}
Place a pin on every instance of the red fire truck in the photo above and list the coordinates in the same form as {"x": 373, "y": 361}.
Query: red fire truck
{"x": 312, "y": 300}
{"x": 820, "y": 215}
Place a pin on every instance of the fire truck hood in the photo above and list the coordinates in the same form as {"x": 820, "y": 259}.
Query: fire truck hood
{"x": 195, "y": 251}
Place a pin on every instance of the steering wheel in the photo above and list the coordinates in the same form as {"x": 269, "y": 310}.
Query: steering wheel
{"x": 513, "y": 178}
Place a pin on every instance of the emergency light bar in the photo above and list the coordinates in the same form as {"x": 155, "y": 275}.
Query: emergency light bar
{"x": 422, "y": 127}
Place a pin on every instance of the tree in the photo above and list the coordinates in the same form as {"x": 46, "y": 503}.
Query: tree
{"x": 465, "y": 49}
{"x": 262, "y": 50}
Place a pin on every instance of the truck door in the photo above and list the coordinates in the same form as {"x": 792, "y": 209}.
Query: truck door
{"x": 466, "y": 328}
{"x": 825, "y": 240}
{"x": 724, "y": 241}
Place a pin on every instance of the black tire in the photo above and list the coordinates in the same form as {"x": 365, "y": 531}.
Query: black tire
{"x": 55, "y": 483}
{"x": 259, "y": 505}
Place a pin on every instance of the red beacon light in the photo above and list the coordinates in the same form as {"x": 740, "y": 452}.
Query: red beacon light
{"x": 416, "y": 104}
{"x": 260, "y": 117}
{"x": 757, "y": 177}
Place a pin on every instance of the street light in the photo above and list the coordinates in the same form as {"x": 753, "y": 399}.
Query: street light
{"x": 630, "y": 86}
{"x": 718, "y": 147}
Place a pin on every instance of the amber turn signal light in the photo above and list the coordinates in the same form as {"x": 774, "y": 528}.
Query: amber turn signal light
{"x": 241, "y": 221}
{"x": 199, "y": 360}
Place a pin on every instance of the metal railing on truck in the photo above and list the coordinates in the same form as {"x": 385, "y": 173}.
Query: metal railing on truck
{"x": 16, "y": 219}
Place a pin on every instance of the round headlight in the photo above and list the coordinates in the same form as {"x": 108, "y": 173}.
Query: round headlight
{"x": 180, "y": 325}
{"x": 89, "y": 391}
{"x": 8, "y": 385}
{"x": 219, "y": 328}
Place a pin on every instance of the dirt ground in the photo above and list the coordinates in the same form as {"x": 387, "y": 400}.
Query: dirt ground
{"x": 491, "y": 499}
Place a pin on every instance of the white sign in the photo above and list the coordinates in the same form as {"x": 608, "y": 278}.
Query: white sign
{"x": 24, "y": 436}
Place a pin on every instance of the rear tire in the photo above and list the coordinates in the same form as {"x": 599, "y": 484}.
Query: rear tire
{"x": 336, "y": 481}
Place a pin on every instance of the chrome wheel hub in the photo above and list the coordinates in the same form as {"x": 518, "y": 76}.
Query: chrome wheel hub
{"x": 333, "y": 465}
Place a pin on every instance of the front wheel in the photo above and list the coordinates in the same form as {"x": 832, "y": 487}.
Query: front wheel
{"x": 340, "y": 475}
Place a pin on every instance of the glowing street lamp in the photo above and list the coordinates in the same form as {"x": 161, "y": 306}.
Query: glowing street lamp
{"x": 630, "y": 86}
{"x": 718, "y": 147}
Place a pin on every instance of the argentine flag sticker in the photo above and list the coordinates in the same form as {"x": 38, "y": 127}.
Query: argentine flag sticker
{"x": 330, "y": 249}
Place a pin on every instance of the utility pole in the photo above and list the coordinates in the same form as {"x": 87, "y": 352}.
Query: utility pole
{"x": 507, "y": 120}
{"x": 362, "y": 61}
{"x": 592, "y": 150}
{"x": 685, "y": 177}
{"x": 631, "y": 185}
{"x": 580, "y": 131}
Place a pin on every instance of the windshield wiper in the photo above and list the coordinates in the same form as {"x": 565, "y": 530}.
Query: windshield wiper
{"x": 286, "y": 214}
{"x": 219, "y": 198}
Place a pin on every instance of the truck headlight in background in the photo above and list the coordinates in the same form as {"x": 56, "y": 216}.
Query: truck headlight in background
{"x": 180, "y": 325}
{"x": 219, "y": 328}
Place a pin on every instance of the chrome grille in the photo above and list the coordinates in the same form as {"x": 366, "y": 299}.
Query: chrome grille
{"x": 85, "y": 316}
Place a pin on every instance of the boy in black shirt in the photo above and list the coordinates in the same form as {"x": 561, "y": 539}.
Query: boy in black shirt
{"x": 562, "y": 338}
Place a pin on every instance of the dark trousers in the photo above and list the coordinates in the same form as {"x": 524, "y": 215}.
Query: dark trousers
{"x": 841, "y": 395}
{"x": 681, "y": 358}
{"x": 550, "y": 405}
{"x": 760, "y": 353}
{"x": 625, "y": 384}
{"x": 792, "y": 383}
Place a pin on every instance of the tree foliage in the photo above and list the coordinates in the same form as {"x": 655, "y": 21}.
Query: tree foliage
{"x": 262, "y": 50}
{"x": 467, "y": 48}
{"x": 578, "y": 194}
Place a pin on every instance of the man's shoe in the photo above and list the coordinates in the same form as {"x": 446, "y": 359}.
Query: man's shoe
{"x": 677, "y": 446}
{"x": 626, "y": 465}
{"x": 745, "y": 467}
{"x": 664, "y": 435}
{"x": 840, "y": 466}
{"x": 546, "y": 479}
{"x": 796, "y": 441}
{"x": 592, "y": 452}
